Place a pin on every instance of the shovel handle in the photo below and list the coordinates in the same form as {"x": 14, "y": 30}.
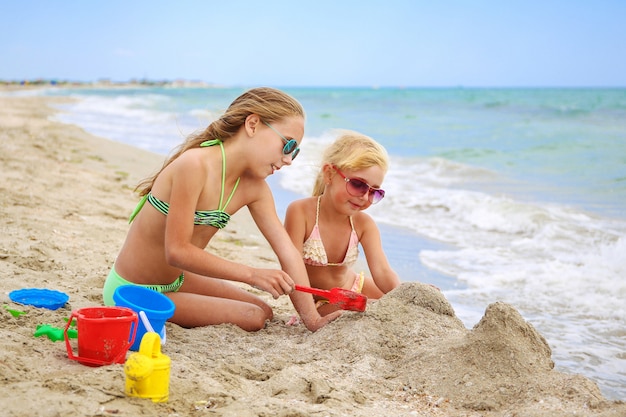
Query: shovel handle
{"x": 316, "y": 291}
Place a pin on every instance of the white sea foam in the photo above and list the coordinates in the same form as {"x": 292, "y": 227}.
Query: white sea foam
{"x": 136, "y": 119}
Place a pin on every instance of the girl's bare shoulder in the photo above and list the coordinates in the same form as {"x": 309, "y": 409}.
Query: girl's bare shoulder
{"x": 301, "y": 209}
{"x": 363, "y": 222}
{"x": 303, "y": 204}
{"x": 196, "y": 160}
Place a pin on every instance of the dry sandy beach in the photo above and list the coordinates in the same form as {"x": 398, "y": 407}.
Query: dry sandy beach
{"x": 65, "y": 197}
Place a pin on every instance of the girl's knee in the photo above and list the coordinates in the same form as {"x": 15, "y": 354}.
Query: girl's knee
{"x": 267, "y": 310}
{"x": 255, "y": 318}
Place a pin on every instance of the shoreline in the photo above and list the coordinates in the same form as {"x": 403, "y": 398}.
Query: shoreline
{"x": 66, "y": 198}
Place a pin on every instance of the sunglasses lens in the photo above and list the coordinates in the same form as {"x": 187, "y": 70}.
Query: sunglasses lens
{"x": 376, "y": 195}
{"x": 357, "y": 187}
{"x": 289, "y": 147}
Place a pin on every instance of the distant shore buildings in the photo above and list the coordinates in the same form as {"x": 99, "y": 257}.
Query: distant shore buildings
{"x": 107, "y": 83}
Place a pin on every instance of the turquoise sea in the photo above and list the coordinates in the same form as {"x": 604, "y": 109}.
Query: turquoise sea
{"x": 513, "y": 195}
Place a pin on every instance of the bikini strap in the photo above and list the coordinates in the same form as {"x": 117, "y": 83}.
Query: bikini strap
{"x": 212, "y": 142}
{"x": 137, "y": 208}
{"x": 317, "y": 212}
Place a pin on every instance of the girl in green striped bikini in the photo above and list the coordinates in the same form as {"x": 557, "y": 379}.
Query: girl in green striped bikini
{"x": 209, "y": 177}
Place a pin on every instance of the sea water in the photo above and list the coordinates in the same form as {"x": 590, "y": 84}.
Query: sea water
{"x": 513, "y": 195}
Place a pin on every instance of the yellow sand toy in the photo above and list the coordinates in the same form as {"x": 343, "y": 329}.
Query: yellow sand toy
{"x": 148, "y": 371}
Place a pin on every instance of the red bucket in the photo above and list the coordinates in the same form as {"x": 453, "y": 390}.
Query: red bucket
{"x": 104, "y": 334}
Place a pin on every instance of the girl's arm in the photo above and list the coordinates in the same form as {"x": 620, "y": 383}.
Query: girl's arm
{"x": 383, "y": 275}
{"x": 295, "y": 224}
{"x": 264, "y": 214}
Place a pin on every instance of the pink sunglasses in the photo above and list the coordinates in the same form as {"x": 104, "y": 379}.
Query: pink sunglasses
{"x": 358, "y": 188}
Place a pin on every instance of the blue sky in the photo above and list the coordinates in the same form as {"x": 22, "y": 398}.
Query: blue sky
{"x": 318, "y": 42}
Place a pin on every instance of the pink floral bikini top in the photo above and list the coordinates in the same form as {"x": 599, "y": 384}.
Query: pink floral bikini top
{"x": 315, "y": 253}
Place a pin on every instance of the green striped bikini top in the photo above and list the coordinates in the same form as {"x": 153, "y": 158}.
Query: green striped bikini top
{"x": 216, "y": 218}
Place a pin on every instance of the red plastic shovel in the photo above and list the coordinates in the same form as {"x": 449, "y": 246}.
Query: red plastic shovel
{"x": 344, "y": 299}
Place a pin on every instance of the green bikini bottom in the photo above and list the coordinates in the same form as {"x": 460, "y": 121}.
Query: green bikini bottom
{"x": 114, "y": 280}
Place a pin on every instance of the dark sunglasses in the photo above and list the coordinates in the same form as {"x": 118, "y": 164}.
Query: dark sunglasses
{"x": 291, "y": 145}
{"x": 358, "y": 188}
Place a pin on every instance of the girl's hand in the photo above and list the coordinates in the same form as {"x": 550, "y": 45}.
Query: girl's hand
{"x": 319, "y": 322}
{"x": 273, "y": 281}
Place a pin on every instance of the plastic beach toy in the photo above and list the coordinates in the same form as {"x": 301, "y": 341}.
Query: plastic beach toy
{"x": 14, "y": 313}
{"x": 344, "y": 299}
{"x": 54, "y": 333}
{"x": 153, "y": 309}
{"x": 39, "y": 297}
{"x": 104, "y": 334}
{"x": 148, "y": 371}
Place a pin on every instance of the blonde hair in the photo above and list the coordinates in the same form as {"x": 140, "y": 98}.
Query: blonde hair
{"x": 268, "y": 103}
{"x": 352, "y": 151}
